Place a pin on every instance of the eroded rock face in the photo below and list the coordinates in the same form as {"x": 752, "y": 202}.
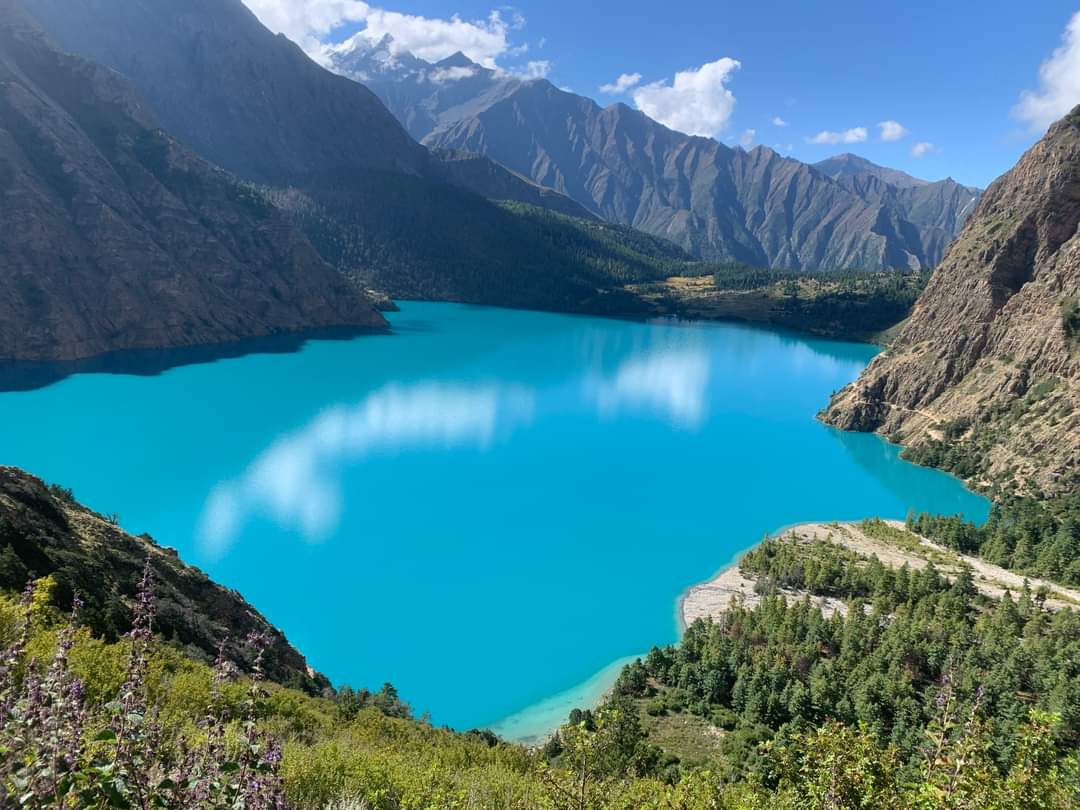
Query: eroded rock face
{"x": 117, "y": 237}
{"x": 986, "y": 374}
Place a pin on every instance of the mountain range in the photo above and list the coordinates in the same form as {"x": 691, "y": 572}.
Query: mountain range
{"x": 720, "y": 204}
{"x": 520, "y": 194}
{"x": 126, "y": 239}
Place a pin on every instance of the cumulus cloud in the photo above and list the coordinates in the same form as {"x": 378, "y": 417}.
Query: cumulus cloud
{"x": 482, "y": 41}
{"x": 310, "y": 22}
{"x": 854, "y": 135}
{"x": 892, "y": 131}
{"x": 779, "y": 122}
{"x": 621, "y": 84}
{"x": 698, "y": 102}
{"x": 538, "y": 69}
{"x": 746, "y": 140}
{"x": 922, "y": 149}
{"x": 1059, "y": 83}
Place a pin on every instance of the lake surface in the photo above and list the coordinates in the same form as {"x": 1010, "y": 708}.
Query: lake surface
{"x": 487, "y": 508}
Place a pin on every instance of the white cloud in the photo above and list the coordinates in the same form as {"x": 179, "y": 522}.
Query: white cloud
{"x": 746, "y": 140}
{"x": 309, "y": 22}
{"x": 538, "y": 69}
{"x": 621, "y": 84}
{"x": 923, "y": 149}
{"x": 697, "y": 103}
{"x": 892, "y": 131}
{"x": 854, "y": 135}
{"x": 1059, "y": 83}
{"x": 779, "y": 122}
{"x": 483, "y": 41}
{"x": 451, "y": 74}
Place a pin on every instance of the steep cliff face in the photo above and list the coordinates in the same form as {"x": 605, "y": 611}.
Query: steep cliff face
{"x": 44, "y": 532}
{"x": 985, "y": 377}
{"x": 116, "y": 237}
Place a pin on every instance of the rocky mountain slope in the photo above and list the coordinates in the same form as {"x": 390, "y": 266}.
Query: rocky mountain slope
{"x": 938, "y": 209}
{"x": 241, "y": 97}
{"x": 424, "y": 96}
{"x": 409, "y": 222}
{"x": 253, "y": 102}
{"x": 718, "y": 203}
{"x": 495, "y": 182}
{"x": 44, "y": 531}
{"x": 117, "y": 237}
{"x": 985, "y": 378}
{"x": 853, "y": 167}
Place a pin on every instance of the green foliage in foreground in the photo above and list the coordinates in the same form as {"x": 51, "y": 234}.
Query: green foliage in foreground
{"x": 821, "y": 713}
{"x": 1040, "y": 538}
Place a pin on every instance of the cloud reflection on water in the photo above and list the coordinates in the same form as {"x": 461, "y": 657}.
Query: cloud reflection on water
{"x": 297, "y": 480}
{"x": 673, "y": 382}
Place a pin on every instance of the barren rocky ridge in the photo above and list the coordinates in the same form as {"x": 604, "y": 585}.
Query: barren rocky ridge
{"x": 985, "y": 376}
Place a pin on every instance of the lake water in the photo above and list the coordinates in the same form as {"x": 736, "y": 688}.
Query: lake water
{"x": 488, "y": 507}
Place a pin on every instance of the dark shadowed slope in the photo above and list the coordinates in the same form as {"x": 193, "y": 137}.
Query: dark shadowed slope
{"x": 116, "y": 237}
{"x": 985, "y": 378}
{"x": 240, "y": 96}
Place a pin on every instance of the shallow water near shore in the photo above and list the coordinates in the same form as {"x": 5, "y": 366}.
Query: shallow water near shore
{"x": 488, "y": 507}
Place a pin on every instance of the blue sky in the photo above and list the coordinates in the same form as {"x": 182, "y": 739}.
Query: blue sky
{"x": 950, "y": 74}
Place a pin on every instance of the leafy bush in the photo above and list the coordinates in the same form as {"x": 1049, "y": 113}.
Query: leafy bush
{"x": 1070, "y": 320}
{"x": 60, "y": 749}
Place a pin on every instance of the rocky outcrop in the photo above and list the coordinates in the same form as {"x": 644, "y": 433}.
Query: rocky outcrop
{"x": 45, "y": 532}
{"x": 985, "y": 377}
{"x": 117, "y": 237}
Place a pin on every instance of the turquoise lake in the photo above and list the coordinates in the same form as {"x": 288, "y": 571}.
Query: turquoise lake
{"x": 487, "y": 508}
